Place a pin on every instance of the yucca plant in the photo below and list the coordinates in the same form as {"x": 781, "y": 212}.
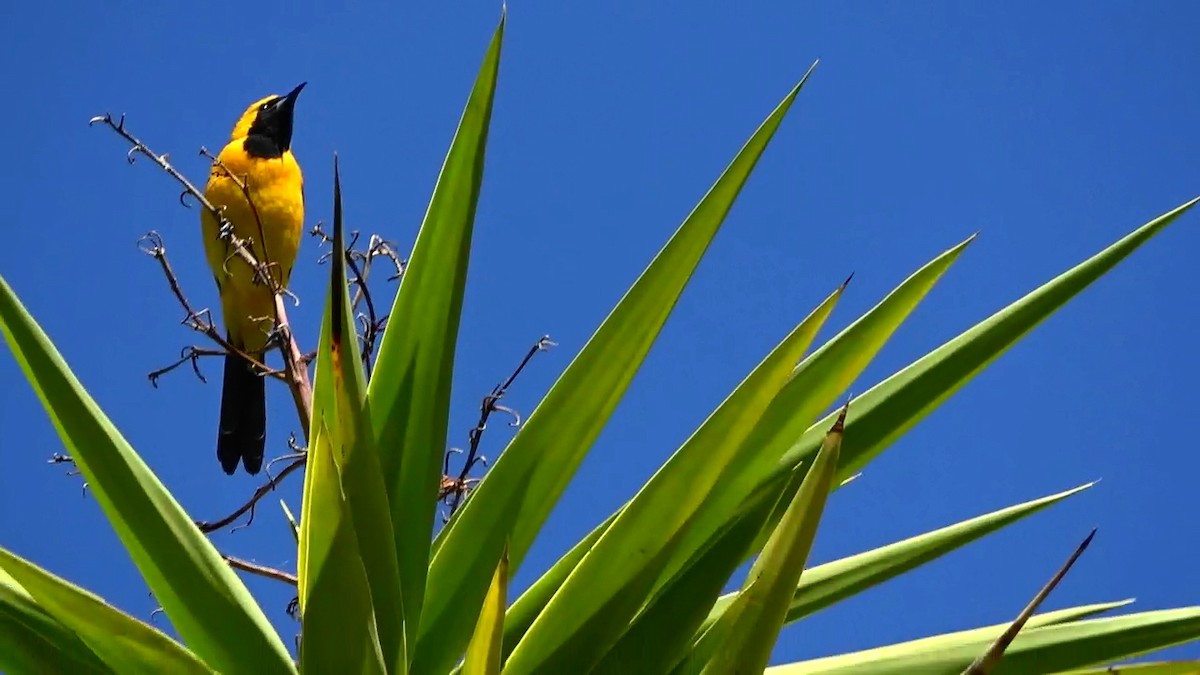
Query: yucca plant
{"x": 382, "y": 589}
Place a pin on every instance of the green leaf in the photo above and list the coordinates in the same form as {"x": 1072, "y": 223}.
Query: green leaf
{"x": 525, "y": 610}
{"x": 31, "y": 641}
{"x": 758, "y": 616}
{"x": 609, "y": 586}
{"x": 409, "y": 393}
{"x": 1155, "y": 668}
{"x": 662, "y": 634}
{"x": 317, "y": 534}
{"x": 24, "y": 650}
{"x": 123, "y": 643}
{"x": 894, "y": 406}
{"x": 817, "y": 381}
{"x": 514, "y": 499}
{"x": 1043, "y": 649}
{"x": 362, "y": 483}
{"x": 354, "y": 493}
{"x": 207, "y": 603}
{"x": 338, "y": 631}
{"x": 1070, "y": 614}
{"x": 287, "y": 513}
{"x": 483, "y": 652}
{"x": 832, "y": 582}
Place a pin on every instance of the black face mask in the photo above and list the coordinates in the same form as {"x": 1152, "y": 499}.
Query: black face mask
{"x": 271, "y": 133}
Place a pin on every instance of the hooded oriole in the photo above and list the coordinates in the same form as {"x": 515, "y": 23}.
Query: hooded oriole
{"x": 258, "y": 157}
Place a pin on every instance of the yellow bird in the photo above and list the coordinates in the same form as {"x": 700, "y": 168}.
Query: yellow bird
{"x": 258, "y": 157}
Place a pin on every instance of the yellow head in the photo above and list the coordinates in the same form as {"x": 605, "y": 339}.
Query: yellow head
{"x": 266, "y": 125}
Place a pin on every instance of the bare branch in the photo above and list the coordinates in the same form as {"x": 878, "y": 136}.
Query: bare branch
{"x": 457, "y": 488}
{"x": 359, "y": 262}
{"x": 248, "y": 506}
{"x": 260, "y": 570}
{"x": 239, "y": 245}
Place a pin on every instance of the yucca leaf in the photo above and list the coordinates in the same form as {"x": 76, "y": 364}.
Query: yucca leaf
{"x": 317, "y": 533}
{"x": 660, "y": 636}
{"x": 359, "y": 491}
{"x": 656, "y": 642}
{"x": 31, "y": 641}
{"x": 123, "y": 643}
{"x": 292, "y": 525}
{"x": 409, "y": 393}
{"x": 338, "y": 631}
{"x": 609, "y": 586}
{"x": 747, "y": 645}
{"x": 664, "y": 632}
{"x": 893, "y": 406}
{"x": 24, "y": 650}
{"x": 1061, "y": 616}
{"x": 834, "y": 581}
{"x": 483, "y": 652}
{"x": 525, "y": 609}
{"x": 1155, "y": 668}
{"x": 817, "y": 381}
{"x": 986, "y": 634}
{"x": 514, "y": 499}
{"x": 208, "y": 605}
{"x": 1042, "y": 649}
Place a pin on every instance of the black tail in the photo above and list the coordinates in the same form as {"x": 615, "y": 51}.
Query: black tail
{"x": 243, "y": 425}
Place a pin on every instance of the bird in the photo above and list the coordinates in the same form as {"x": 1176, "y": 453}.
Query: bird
{"x": 258, "y": 162}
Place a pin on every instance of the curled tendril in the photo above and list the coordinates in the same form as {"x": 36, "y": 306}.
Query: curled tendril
{"x": 151, "y": 244}
{"x": 295, "y": 298}
{"x": 299, "y": 453}
{"x": 516, "y": 416}
{"x": 446, "y": 459}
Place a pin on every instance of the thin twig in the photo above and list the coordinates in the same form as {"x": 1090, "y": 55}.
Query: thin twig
{"x": 239, "y": 245}
{"x": 213, "y": 526}
{"x": 359, "y": 264}
{"x": 372, "y": 326}
{"x": 296, "y": 367}
{"x": 260, "y": 570}
{"x": 59, "y": 458}
{"x": 190, "y": 354}
{"x": 459, "y": 487}
{"x": 152, "y": 244}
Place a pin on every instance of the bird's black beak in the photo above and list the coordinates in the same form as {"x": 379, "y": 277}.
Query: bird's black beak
{"x": 290, "y": 99}
{"x": 286, "y": 104}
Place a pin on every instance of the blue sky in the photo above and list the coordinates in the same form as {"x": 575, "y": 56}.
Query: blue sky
{"x": 1052, "y": 128}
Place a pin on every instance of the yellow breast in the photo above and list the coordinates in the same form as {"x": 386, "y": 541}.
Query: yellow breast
{"x": 271, "y": 220}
